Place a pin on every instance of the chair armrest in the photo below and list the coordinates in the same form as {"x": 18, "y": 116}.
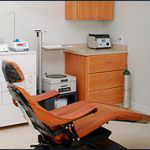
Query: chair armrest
{"x": 75, "y": 111}
{"x": 45, "y": 95}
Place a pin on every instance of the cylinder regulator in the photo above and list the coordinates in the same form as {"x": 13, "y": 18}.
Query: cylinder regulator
{"x": 126, "y": 88}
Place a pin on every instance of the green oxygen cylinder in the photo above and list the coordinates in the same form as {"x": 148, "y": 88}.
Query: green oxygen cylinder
{"x": 126, "y": 88}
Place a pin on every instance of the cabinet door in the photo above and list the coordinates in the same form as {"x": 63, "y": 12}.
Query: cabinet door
{"x": 9, "y": 114}
{"x": 27, "y": 63}
{"x": 89, "y": 10}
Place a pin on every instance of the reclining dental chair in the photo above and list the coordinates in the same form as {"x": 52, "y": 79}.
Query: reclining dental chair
{"x": 74, "y": 125}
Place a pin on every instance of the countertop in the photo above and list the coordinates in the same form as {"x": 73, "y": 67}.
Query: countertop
{"x": 17, "y": 53}
{"x": 83, "y": 50}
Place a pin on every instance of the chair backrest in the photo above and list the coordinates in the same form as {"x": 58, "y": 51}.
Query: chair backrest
{"x": 32, "y": 111}
{"x": 27, "y": 111}
{"x": 12, "y": 72}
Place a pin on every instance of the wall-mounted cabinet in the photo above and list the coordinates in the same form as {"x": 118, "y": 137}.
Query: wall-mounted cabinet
{"x": 89, "y": 10}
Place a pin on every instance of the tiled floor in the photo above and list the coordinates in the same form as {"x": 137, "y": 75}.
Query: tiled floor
{"x": 130, "y": 135}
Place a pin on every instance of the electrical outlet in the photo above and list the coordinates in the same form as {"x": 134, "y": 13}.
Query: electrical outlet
{"x": 118, "y": 39}
{"x": 121, "y": 39}
{"x": 1, "y": 40}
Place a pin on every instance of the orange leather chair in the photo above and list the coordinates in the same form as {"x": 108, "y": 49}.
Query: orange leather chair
{"x": 68, "y": 125}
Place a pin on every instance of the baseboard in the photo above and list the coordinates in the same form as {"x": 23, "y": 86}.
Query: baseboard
{"x": 140, "y": 108}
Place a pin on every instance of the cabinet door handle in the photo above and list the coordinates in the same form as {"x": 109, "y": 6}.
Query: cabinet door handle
{"x": 108, "y": 61}
{"x": 108, "y": 79}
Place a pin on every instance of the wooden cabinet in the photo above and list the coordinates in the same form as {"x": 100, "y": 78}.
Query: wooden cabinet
{"x": 99, "y": 77}
{"x": 89, "y": 10}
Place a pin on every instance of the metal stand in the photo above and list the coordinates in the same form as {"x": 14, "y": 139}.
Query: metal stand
{"x": 39, "y": 62}
{"x": 98, "y": 139}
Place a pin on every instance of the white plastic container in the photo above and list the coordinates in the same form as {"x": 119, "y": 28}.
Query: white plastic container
{"x": 61, "y": 102}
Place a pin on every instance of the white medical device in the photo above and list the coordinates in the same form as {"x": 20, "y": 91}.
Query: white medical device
{"x": 98, "y": 41}
{"x": 62, "y": 83}
{"x": 19, "y": 46}
{"x": 3, "y": 48}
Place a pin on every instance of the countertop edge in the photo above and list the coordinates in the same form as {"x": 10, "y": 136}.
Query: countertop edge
{"x": 83, "y": 50}
{"x": 17, "y": 53}
{"x": 99, "y": 53}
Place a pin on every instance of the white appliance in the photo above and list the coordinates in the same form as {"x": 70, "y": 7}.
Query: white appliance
{"x": 63, "y": 83}
{"x": 97, "y": 41}
{"x": 19, "y": 46}
{"x": 61, "y": 102}
{"x": 3, "y": 48}
{"x": 9, "y": 114}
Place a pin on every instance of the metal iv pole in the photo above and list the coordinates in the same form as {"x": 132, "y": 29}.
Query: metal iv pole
{"x": 39, "y": 61}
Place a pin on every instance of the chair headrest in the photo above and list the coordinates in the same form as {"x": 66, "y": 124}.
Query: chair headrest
{"x": 12, "y": 72}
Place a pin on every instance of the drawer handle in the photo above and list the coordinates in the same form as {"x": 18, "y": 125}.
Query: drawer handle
{"x": 108, "y": 79}
{"x": 108, "y": 61}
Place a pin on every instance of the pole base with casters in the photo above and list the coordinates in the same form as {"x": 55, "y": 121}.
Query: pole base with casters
{"x": 98, "y": 139}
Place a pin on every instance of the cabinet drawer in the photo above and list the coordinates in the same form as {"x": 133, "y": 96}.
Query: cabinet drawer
{"x": 6, "y": 98}
{"x": 108, "y": 96}
{"x": 26, "y": 62}
{"x": 108, "y": 62}
{"x": 105, "y": 80}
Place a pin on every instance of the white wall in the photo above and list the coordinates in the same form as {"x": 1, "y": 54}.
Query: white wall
{"x": 132, "y": 21}
{"x": 47, "y": 16}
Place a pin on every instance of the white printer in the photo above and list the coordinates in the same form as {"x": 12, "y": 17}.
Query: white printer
{"x": 97, "y": 41}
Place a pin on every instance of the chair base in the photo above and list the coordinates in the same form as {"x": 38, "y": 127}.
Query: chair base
{"x": 99, "y": 139}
